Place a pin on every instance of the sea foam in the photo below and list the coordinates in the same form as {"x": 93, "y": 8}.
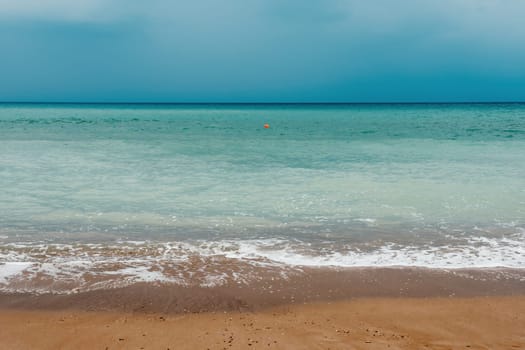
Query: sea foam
{"x": 66, "y": 267}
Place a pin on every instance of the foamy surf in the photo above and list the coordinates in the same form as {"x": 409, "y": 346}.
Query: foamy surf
{"x": 66, "y": 268}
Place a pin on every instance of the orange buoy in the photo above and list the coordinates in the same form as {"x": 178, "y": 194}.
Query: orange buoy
{"x": 266, "y": 126}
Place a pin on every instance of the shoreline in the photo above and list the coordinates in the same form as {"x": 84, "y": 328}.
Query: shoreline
{"x": 357, "y": 308}
{"x": 310, "y": 285}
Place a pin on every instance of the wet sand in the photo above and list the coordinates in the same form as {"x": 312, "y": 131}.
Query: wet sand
{"x": 310, "y": 285}
{"x": 382, "y": 308}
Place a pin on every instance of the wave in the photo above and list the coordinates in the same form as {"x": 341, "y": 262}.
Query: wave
{"x": 65, "y": 268}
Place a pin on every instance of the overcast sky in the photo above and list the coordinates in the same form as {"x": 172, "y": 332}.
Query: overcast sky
{"x": 262, "y": 50}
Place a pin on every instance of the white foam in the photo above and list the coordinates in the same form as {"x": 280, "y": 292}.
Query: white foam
{"x": 366, "y": 220}
{"x": 478, "y": 252}
{"x": 141, "y": 274}
{"x": 65, "y": 267}
{"x": 9, "y": 270}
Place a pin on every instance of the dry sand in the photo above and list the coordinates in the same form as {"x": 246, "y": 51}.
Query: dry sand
{"x": 370, "y": 323}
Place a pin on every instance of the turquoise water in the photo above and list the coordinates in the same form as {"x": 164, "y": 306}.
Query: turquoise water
{"x": 429, "y": 185}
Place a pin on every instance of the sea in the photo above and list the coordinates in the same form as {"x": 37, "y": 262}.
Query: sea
{"x": 106, "y": 195}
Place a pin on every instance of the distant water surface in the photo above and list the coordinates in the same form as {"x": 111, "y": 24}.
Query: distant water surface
{"x": 437, "y": 185}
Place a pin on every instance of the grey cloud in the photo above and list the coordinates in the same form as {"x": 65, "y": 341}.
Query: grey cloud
{"x": 278, "y": 49}
{"x": 70, "y": 10}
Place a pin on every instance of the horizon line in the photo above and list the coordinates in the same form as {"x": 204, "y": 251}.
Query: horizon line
{"x": 258, "y": 103}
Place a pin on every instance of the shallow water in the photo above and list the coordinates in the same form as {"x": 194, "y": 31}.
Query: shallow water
{"x": 345, "y": 185}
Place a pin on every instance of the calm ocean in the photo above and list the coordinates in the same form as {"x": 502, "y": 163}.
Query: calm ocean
{"x": 86, "y": 186}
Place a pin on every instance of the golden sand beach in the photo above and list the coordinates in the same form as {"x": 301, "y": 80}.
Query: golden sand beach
{"x": 326, "y": 309}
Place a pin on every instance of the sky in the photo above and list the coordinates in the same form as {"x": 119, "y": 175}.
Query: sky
{"x": 262, "y": 50}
